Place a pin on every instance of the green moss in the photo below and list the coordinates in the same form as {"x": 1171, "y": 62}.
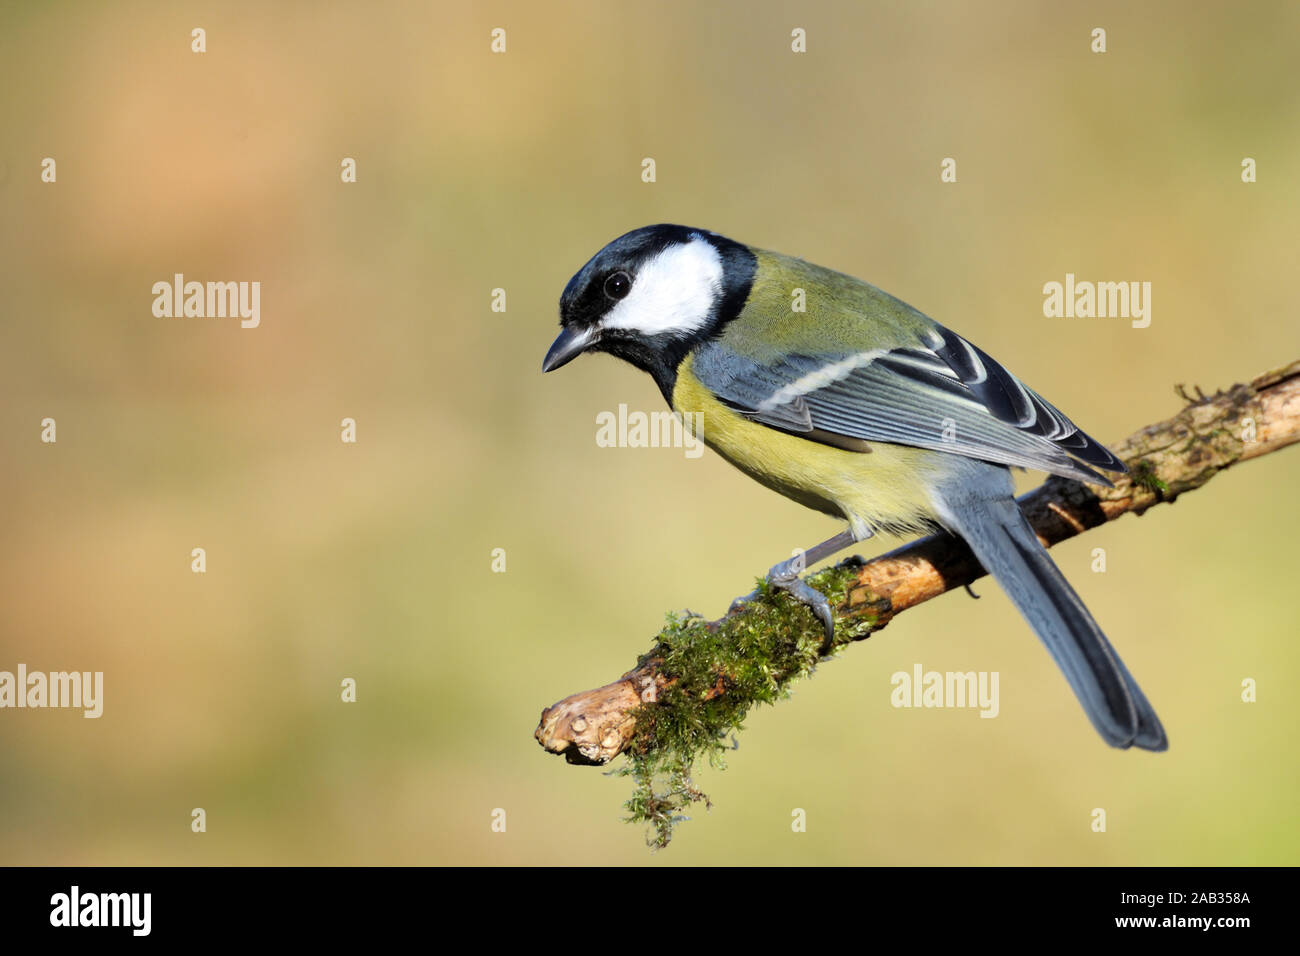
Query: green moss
{"x": 1144, "y": 476}
{"x": 718, "y": 671}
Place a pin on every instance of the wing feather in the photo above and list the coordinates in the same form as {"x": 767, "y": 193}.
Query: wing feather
{"x": 952, "y": 397}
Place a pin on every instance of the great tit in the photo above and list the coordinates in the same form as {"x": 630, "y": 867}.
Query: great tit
{"x": 861, "y": 407}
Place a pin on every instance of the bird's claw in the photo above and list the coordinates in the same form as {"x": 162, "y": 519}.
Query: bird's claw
{"x": 785, "y": 577}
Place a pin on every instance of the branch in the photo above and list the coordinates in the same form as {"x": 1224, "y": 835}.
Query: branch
{"x": 700, "y": 678}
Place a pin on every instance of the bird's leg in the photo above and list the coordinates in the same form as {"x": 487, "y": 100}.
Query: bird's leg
{"x": 785, "y": 577}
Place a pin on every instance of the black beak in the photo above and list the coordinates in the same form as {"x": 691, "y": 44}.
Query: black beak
{"x": 568, "y": 345}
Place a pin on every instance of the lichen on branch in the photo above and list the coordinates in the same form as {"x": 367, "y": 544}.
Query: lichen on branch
{"x": 714, "y": 672}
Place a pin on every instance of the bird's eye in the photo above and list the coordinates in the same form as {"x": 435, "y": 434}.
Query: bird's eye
{"x": 618, "y": 285}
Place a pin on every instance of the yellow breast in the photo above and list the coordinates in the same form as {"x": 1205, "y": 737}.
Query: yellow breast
{"x": 882, "y": 489}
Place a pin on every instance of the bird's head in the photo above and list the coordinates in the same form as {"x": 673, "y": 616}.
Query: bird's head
{"x": 651, "y": 295}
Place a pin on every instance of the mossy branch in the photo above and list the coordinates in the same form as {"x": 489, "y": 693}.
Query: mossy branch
{"x": 695, "y": 685}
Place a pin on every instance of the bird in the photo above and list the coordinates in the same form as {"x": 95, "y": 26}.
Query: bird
{"x": 845, "y": 399}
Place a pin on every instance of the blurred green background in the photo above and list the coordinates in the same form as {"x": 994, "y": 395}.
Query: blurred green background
{"x": 373, "y": 561}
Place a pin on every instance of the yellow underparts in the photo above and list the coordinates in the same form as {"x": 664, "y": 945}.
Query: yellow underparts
{"x": 883, "y": 489}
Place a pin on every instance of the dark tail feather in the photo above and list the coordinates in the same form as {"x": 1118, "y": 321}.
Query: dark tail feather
{"x": 1005, "y": 544}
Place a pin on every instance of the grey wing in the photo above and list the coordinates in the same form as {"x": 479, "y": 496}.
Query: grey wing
{"x": 944, "y": 394}
{"x": 1009, "y": 400}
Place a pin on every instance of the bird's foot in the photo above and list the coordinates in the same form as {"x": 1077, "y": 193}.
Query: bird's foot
{"x": 785, "y": 577}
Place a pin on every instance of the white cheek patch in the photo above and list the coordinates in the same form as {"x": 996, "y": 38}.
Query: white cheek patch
{"x": 673, "y": 292}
